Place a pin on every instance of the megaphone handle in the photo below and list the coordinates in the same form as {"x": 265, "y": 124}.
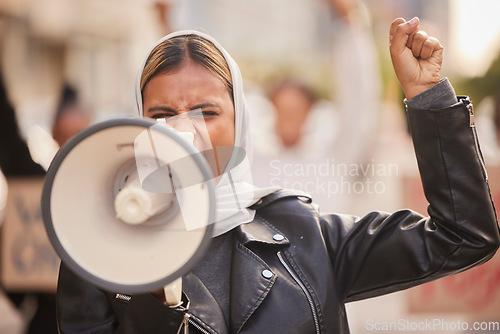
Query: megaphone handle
{"x": 173, "y": 293}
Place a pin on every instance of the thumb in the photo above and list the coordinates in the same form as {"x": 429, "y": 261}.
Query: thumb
{"x": 399, "y": 34}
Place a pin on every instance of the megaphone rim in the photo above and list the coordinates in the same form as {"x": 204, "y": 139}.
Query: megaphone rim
{"x": 47, "y": 214}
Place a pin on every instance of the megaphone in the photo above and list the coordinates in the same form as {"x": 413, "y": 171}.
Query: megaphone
{"x": 129, "y": 205}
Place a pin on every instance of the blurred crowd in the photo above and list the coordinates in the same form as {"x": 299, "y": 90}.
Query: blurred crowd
{"x": 327, "y": 113}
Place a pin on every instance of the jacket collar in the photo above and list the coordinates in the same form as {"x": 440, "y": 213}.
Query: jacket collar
{"x": 260, "y": 231}
{"x": 249, "y": 285}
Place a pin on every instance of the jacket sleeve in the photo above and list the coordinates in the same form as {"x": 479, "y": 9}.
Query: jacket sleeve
{"x": 382, "y": 253}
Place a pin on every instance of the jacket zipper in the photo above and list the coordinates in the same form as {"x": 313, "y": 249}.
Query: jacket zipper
{"x": 195, "y": 324}
{"x": 472, "y": 125}
{"x": 122, "y": 297}
{"x": 304, "y": 289}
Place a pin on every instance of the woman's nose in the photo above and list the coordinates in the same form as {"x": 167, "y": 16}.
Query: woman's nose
{"x": 182, "y": 123}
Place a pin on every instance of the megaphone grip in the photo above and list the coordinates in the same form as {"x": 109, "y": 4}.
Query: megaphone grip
{"x": 173, "y": 293}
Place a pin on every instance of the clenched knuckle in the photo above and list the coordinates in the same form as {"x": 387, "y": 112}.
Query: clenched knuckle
{"x": 421, "y": 36}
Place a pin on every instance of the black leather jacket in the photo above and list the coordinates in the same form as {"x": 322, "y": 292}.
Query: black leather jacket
{"x": 317, "y": 263}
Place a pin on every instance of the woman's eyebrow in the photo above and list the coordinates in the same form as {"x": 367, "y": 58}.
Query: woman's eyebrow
{"x": 161, "y": 108}
{"x": 203, "y": 105}
{"x": 194, "y": 107}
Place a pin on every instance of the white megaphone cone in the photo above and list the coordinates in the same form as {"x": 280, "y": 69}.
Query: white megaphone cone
{"x": 129, "y": 205}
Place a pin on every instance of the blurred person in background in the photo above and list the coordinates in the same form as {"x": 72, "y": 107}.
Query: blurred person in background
{"x": 294, "y": 128}
{"x": 297, "y": 130}
{"x": 15, "y": 158}
{"x": 275, "y": 265}
{"x": 37, "y": 310}
{"x": 11, "y": 319}
{"x": 357, "y": 81}
{"x": 71, "y": 117}
{"x": 293, "y": 102}
{"x": 292, "y": 123}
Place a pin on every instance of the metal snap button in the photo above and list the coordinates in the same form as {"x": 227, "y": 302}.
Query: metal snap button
{"x": 267, "y": 273}
{"x": 278, "y": 237}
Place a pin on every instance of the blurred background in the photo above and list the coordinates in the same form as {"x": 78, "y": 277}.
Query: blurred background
{"x": 327, "y": 112}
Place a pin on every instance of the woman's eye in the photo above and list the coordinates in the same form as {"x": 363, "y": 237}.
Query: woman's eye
{"x": 202, "y": 113}
{"x": 209, "y": 113}
{"x": 162, "y": 115}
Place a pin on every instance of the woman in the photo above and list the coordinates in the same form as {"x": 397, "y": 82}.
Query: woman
{"x": 275, "y": 265}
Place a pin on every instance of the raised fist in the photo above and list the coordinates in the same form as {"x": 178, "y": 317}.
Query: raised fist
{"x": 416, "y": 56}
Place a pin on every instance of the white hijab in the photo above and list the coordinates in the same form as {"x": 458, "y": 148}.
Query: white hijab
{"x": 234, "y": 191}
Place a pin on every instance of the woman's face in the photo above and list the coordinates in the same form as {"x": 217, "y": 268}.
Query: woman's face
{"x": 199, "y": 96}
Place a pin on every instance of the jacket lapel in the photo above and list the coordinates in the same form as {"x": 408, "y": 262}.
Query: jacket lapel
{"x": 251, "y": 278}
{"x": 203, "y": 306}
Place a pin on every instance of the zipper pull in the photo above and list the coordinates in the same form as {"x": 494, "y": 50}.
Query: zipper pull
{"x": 471, "y": 115}
{"x": 185, "y": 324}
